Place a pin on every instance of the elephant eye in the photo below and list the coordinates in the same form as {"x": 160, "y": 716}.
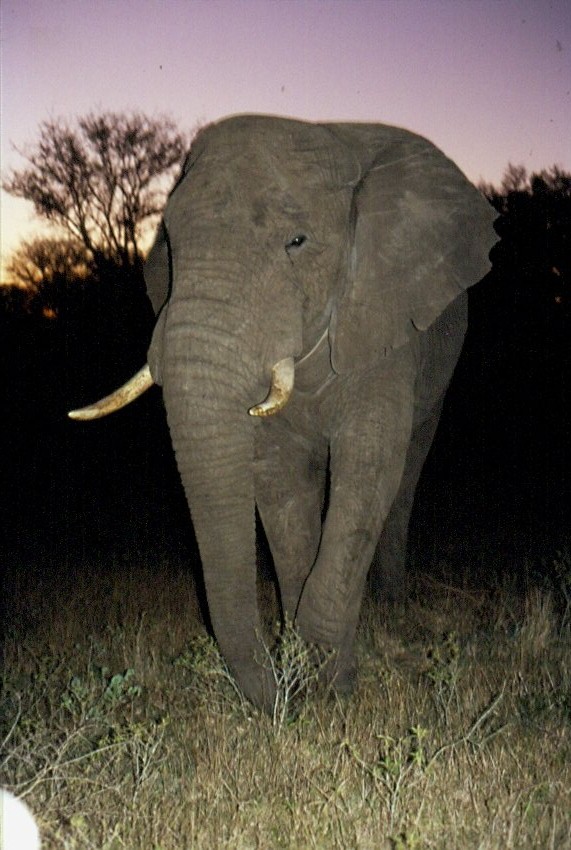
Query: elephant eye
{"x": 296, "y": 243}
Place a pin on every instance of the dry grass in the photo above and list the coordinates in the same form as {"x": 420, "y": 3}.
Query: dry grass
{"x": 122, "y": 728}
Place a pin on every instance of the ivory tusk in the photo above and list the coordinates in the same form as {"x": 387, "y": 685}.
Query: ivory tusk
{"x": 134, "y": 387}
{"x": 283, "y": 375}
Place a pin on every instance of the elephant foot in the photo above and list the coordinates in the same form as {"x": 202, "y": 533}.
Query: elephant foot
{"x": 335, "y": 672}
{"x": 339, "y": 674}
{"x": 388, "y": 583}
{"x": 257, "y": 684}
{"x": 335, "y": 658}
{"x": 336, "y": 668}
{"x": 344, "y": 680}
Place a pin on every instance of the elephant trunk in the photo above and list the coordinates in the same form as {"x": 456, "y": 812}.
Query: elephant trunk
{"x": 213, "y": 436}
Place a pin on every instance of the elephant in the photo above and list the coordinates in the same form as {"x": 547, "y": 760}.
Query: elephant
{"x": 309, "y": 282}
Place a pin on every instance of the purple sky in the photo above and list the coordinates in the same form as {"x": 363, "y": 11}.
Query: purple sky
{"x": 489, "y": 81}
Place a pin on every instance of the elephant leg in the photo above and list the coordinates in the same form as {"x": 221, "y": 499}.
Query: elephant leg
{"x": 290, "y": 485}
{"x": 387, "y": 576}
{"x": 367, "y": 462}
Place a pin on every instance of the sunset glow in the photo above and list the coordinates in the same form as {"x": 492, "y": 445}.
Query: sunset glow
{"x": 488, "y": 81}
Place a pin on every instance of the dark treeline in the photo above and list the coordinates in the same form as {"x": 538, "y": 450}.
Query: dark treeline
{"x": 521, "y": 324}
{"x": 502, "y": 454}
{"x": 498, "y": 474}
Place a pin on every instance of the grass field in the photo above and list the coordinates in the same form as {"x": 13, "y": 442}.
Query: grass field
{"x": 121, "y": 727}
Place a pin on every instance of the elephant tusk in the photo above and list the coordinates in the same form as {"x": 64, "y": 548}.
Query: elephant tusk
{"x": 283, "y": 375}
{"x": 134, "y": 387}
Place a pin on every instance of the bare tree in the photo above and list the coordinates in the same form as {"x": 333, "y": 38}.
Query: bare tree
{"x": 102, "y": 181}
{"x": 40, "y": 262}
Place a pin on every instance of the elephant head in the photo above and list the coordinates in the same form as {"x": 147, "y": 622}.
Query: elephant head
{"x": 296, "y": 266}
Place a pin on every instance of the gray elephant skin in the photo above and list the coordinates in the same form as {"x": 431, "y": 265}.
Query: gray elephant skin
{"x": 323, "y": 266}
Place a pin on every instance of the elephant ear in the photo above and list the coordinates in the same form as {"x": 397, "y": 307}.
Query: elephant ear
{"x": 157, "y": 270}
{"x": 158, "y": 280}
{"x": 158, "y": 264}
{"x": 422, "y": 234}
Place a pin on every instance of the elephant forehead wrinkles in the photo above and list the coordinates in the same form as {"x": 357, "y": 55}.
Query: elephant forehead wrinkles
{"x": 270, "y": 206}
{"x": 256, "y": 163}
{"x": 211, "y": 199}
